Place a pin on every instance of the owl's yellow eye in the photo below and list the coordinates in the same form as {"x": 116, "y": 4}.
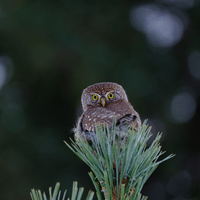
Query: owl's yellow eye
{"x": 111, "y": 95}
{"x": 94, "y": 97}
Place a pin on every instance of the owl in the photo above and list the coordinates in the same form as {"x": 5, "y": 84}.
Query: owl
{"x": 102, "y": 103}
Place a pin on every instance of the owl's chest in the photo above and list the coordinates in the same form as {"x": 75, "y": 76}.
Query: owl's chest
{"x": 103, "y": 115}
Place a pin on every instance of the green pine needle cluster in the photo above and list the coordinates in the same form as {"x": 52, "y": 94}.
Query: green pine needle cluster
{"x": 56, "y": 193}
{"x": 120, "y": 167}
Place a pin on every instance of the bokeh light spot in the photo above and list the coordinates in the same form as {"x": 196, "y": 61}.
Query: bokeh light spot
{"x": 3, "y": 74}
{"x": 6, "y": 70}
{"x": 162, "y": 28}
{"x": 183, "y": 107}
{"x": 194, "y": 64}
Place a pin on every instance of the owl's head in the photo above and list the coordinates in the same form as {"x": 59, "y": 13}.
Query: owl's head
{"x": 102, "y": 94}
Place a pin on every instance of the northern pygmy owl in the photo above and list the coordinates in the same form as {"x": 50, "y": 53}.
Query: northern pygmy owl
{"x": 102, "y": 103}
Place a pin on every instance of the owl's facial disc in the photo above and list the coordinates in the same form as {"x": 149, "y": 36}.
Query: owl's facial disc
{"x": 102, "y": 94}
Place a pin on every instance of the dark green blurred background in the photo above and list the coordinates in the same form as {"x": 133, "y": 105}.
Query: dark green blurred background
{"x": 51, "y": 50}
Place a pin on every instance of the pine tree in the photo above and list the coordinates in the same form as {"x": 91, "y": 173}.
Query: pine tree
{"x": 119, "y": 168}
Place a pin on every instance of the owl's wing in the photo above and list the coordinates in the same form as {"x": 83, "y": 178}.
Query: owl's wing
{"x": 129, "y": 120}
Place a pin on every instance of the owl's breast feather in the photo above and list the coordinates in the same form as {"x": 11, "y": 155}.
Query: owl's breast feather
{"x": 104, "y": 115}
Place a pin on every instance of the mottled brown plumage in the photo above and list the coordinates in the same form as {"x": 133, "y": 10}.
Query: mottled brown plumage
{"x": 102, "y": 103}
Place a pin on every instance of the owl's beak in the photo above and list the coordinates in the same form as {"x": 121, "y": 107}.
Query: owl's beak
{"x": 103, "y": 101}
